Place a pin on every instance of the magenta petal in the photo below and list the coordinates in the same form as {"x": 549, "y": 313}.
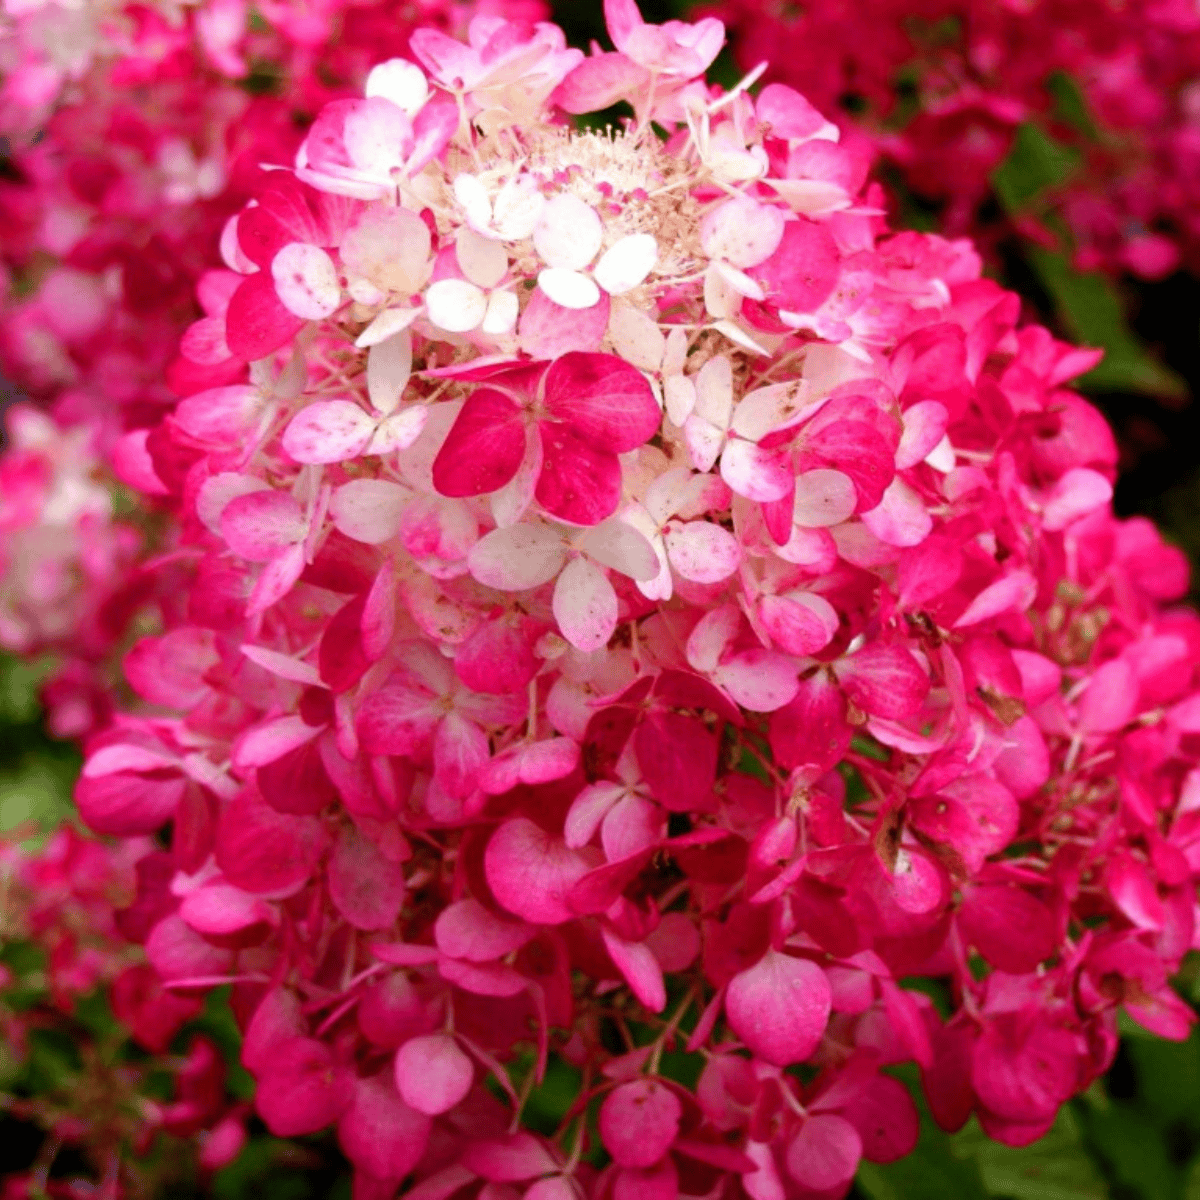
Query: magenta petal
{"x": 802, "y": 272}
{"x": 885, "y": 1116}
{"x": 824, "y": 1154}
{"x": 577, "y": 483}
{"x": 604, "y": 400}
{"x": 264, "y": 851}
{"x": 639, "y": 1121}
{"x": 678, "y": 759}
{"x": 531, "y": 872}
{"x": 1011, "y": 928}
{"x": 365, "y": 887}
{"x": 484, "y": 448}
{"x": 779, "y": 1007}
{"x": 379, "y": 1133}
{"x": 303, "y": 1090}
{"x": 257, "y": 323}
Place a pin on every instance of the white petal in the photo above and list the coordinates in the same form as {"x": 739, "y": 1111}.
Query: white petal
{"x": 618, "y": 545}
{"x": 568, "y": 233}
{"x": 740, "y": 337}
{"x": 585, "y": 605}
{"x": 704, "y": 441}
{"x": 769, "y": 408}
{"x": 389, "y": 322}
{"x": 626, "y": 263}
{"x": 823, "y": 498}
{"x": 502, "y": 311}
{"x": 679, "y": 394}
{"x": 480, "y": 259}
{"x": 636, "y": 337}
{"x": 518, "y": 206}
{"x": 941, "y": 457}
{"x": 306, "y": 281}
{"x": 399, "y": 431}
{"x": 568, "y": 288}
{"x": 401, "y": 82}
{"x": 473, "y": 197}
{"x": 455, "y": 305}
{"x": 389, "y": 366}
{"x": 518, "y": 558}
{"x": 739, "y": 281}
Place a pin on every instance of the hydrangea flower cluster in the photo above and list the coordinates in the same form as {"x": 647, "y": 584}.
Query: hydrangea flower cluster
{"x": 979, "y": 70}
{"x": 637, "y": 604}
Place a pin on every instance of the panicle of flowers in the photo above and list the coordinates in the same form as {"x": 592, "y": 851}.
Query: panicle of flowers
{"x": 638, "y": 603}
{"x": 983, "y": 68}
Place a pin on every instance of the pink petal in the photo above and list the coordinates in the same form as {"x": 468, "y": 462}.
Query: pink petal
{"x": 603, "y": 399}
{"x": 512, "y": 1158}
{"x": 801, "y": 623}
{"x": 369, "y": 510}
{"x": 924, "y": 426}
{"x": 302, "y": 1089}
{"x": 900, "y": 518}
{"x": 600, "y": 81}
{"x": 169, "y": 670}
{"x": 530, "y": 872}
{"x": 804, "y": 268}
{"x": 755, "y": 473}
{"x": 548, "y": 330}
{"x": 259, "y": 525}
{"x": 468, "y": 930}
{"x": 639, "y": 1121}
{"x": 1077, "y": 493}
{"x": 640, "y": 969}
{"x": 484, "y": 448}
{"x": 432, "y": 1073}
{"x": 824, "y": 1154}
{"x": 380, "y": 1134}
{"x": 366, "y": 888}
{"x": 1111, "y": 698}
{"x": 328, "y": 431}
{"x": 257, "y": 323}
{"x": 779, "y": 1007}
{"x": 885, "y": 681}
{"x": 1013, "y": 592}
{"x": 578, "y": 483}
{"x": 812, "y": 729}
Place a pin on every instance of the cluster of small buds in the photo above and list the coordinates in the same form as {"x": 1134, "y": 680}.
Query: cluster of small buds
{"x": 981, "y": 69}
{"x": 67, "y": 911}
{"x": 638, "y": 604}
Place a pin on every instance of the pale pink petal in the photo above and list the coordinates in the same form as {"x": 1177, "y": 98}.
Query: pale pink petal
{"x": 460, "y": 751}
{"x": 517, "y": 208}
{"x": 769, "y": 408}
{"x": 616, "y": 544}
{"x": 276, "y": 580}
{"x": 626, "y": 263}
{"x": 518, "y": 558}
{"x": 704, "y": 441}
{"x": 259, "y": 525}
{"x": 389, "y": 367}
{"x": 632, "y": 825}
{"x": 779, "y": 1007}
{"x": 711, "y": 636}
{"x": 703, "y": 552}
{"x": 758, "y": 680}
{"x": 823, "y": 498}
{"x": 900, "y": 518}
{"x": 369, "y": 510}
{"x": 481, "y": 260}
{"x": 432, "y": 1073}
{"x": 306, "y": 281}
{"x": 328, "y": 431}
{"x": 389, "y": 323}
{"x": 585, "y": 605}
{"x": 636, "y": 337}
{"x": 475, "y": 202}
{"x": 924, "y": 427}
{"x": 755, "y": 473}
{"x": 742, "y": 232}
{"x": 568, "y": 233}
{"x": 398, "y": 431}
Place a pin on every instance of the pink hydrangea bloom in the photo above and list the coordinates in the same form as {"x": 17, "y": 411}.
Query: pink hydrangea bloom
{"x": 619, "y": 577}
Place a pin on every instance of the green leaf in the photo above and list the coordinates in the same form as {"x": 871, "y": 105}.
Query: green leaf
{"x": 38, "y": 789}
{"x": 1035, "y": 163}
{"x": 1056, "y": 1167}
{"x": 20, "y": 680}
{"x": 1070, "y": 105}
{"x": 1092, "y": 313}
{"x": 1134, "y": 1149}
